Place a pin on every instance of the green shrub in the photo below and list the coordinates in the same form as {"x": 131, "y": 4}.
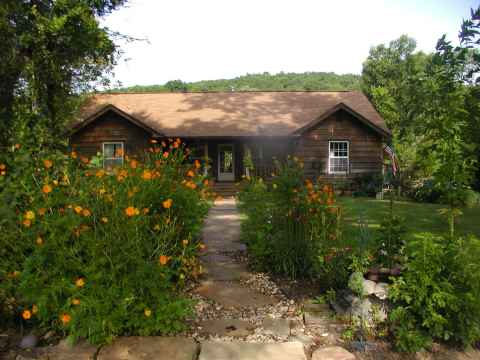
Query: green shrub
{"x": 436, "y": 298}
{"x": 96, "y": 254}
{"x": 368, "y": 184}
{"x": 291, "y": 224}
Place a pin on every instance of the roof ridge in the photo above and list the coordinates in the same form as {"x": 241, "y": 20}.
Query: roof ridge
{"x": 222, "y": 92}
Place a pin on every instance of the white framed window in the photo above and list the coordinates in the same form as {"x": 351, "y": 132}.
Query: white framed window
{"x": 338, "y": 157}
{"x": 113, "y": 154}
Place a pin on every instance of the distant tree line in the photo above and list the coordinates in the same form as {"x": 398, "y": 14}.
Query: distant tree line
{"x": 258, "y": 82}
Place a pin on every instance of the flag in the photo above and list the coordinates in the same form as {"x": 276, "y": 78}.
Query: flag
{"x": 393, "y": 158}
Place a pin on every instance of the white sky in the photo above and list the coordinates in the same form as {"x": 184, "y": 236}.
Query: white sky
{"x": 196, "y": 40}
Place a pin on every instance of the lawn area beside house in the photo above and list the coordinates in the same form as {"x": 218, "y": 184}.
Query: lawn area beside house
{"x": 419, "y": 217}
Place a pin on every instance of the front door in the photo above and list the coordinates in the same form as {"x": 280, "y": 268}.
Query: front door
{"x": 226, "y": 163}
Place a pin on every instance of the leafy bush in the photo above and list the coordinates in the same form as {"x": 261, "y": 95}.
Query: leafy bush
{"x": 96, "y": 254}
{"x": 391, "y": 233}
{"x": 292, "y": 224}
{"x": 437, "y": 295}
{"x": 368, "y": 184}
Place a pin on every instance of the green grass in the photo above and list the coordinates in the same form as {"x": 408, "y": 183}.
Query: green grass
{"x": 419, "y": 217}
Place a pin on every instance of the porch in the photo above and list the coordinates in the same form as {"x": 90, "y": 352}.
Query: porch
{"x": 227, "y": 160}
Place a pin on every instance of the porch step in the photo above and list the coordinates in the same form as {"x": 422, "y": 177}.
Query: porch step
{"x": 225, "y": 189}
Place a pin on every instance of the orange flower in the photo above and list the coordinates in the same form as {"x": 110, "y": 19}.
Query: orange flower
{"x": 165, "y": 154}
{"x": 46, "y": 189}
{"x": 147, "y": 312}
{"x": 47, "y": 163}
{"x": 100, "y": 173}
{"x": 65, "y": 318}
{"x": 73, "y": 155}
{"x": 175, "y": 145}
{"x": 197, "y": 164}
{"x": 75, "y": 301}
{"x": 185, "y": 242}
{"x": 202, "y": 246}
{"x": 39, "y": 241}
{"x": 133, "y": 164}
{"x": 3, "y": 166}
{"x": 163, "y": 260}
{"x": 34, "y": 309}
{"x": 167, "y": 203}
{"x": 205, "y": 182}
{"x": 78, "y": 209}
{"x": 190, "y": 173}
{"x": 131, "y": 211}
{"x": 153, "y": 141}
{"x": 26, "y": 314}
{"x": 84, "y": 159}
{"x": 80, "y": 282}
{"x": 147, "y": 175}
{"x": 27, "y": 223}
{"x": 86, "y": 212}
{"x": 145, "y": 211}
{"x": 18, "y": 146}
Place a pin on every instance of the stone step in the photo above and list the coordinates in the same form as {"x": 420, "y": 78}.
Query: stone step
{"x": 237, "y": 350}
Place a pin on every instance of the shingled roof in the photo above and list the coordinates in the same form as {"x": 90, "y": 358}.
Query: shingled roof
{"x": 231, "y": 114}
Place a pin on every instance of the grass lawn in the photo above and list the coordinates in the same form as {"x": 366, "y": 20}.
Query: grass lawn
{"x": 419, "y": 217}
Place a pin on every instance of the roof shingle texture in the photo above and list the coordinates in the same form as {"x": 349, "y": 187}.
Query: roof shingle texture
{"x": 231, "y": 113}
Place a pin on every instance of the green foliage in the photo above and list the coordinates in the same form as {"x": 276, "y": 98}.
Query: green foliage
{"x": 93, "y": 253}
{"x": 51, "y": 51}
{"x": 260, "y": 82}
{"x": 392, "y": 233}
{"x": 436, "y": 298}
{"x": 290, "y": 224}
{"x": 368, "y": 184}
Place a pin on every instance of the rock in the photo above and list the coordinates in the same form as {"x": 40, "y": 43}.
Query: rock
{"x": 332, "y": 353}
{"x": 63, "y": 351}
{"x": 149, "y": 348}
{"x": 278, "y": 327}
{"x": 368, "y": 287}
{"x": 306, "y": 340}
{"x": 218, "y": 350}
{"x": 28, "y": 342}
{"x": 317, "y": 318}
{"x": 225, "y": 271}
{"x": 226, "y": 327}
{"x": 381, "y": 291}
{"x": 49, "y": 334}
{"x": 314, "y": 307}
{"x": 233, "y": 295}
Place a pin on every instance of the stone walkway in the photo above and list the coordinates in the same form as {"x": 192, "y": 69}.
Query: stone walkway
{"x": 240, "y": 315}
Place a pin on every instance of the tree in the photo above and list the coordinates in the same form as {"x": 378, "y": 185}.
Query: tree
{"x": 51, "y": 51}
{"x": 176, "y": 86}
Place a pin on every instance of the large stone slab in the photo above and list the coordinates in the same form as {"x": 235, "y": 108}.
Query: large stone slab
{"x": 63, "y": 351}
{"x": 277, "y": 327}
{"x": 150, "y": 348}
{"x": 232, "y": 295}
{"x": 226, "y": 327}
{"x": 332, "y": 353}
{"x": 217, "y": 350}
{"x": 225, "y": 271}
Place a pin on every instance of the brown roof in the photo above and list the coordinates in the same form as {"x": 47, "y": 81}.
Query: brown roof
{"x": 231, "y": 113}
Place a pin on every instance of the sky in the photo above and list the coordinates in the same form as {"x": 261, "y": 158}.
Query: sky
{"x": 196, "y": 40}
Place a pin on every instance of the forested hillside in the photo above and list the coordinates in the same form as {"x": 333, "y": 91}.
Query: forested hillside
{"x": 259, "y": 82}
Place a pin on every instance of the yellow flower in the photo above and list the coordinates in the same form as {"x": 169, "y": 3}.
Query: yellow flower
{"x": 75, "y": 301}
{"x": 78, "y": 209}
{"x": 167, "y": 203}
{"x": 80, "y": 282}
{"x": 26, "y": 314}
{"x": 102, "y": 191}
{"x": 156, "y": 227}
{"x": 163, "y": 260}
{"x": 131, "y": 211}
{"x": 104, "y": 220}
{"x": 185, "y": 242}
{"x": 30, "y": 215}
{"x": 39, "y": 241}
{"x": 147, "y": 175}
{"x": 47, "y": 163}
{"x": 65, "y": 318}
{"x": 34, "y": 309}
{"x": 86, "y": 212}
{"x": 147, "y": 312}
{"x": 46, "y": 189}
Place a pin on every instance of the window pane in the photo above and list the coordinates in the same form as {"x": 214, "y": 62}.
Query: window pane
{"x": 108, "y": 150}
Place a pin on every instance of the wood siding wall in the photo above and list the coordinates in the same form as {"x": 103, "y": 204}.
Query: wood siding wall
{"x": 365, "y": 146}
{"x": 110, "y": 127}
